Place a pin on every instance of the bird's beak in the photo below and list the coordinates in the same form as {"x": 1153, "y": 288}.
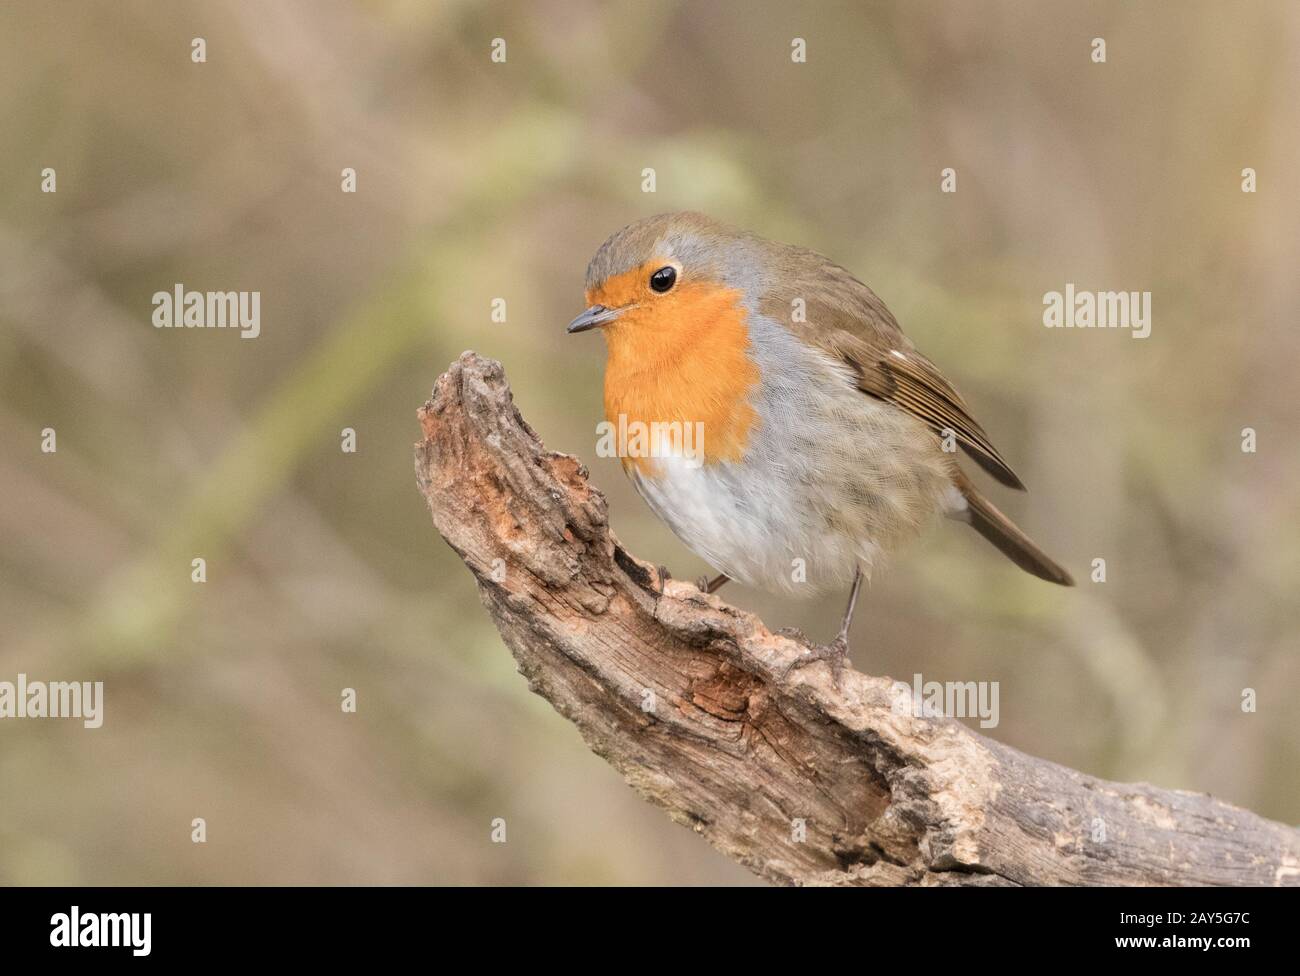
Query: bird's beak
{"x": 594, "y": 317}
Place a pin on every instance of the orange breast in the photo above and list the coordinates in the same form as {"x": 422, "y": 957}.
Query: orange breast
{"x": 683, "y": 357}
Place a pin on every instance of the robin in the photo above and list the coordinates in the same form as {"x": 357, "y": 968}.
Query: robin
{"x": 826, "y": 440}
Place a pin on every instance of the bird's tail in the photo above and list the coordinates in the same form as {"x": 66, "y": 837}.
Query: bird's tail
{"x": 1006, "y": 535}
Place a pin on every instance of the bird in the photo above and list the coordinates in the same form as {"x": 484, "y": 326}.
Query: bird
{"x": 826, "y": 440}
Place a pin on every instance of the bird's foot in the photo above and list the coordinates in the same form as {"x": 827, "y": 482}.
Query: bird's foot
{"x": 707, "y": 585}
{"x": 836, "y": 654}
{"x": 702, "y": 583}
{"x": 664, "y": 577}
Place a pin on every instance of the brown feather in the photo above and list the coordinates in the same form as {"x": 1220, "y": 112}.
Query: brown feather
{"x": 985, "y": 518}
{"x": 847, "y": 320}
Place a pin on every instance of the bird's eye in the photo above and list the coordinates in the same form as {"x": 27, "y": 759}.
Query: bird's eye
{"x": 663, "y": 279}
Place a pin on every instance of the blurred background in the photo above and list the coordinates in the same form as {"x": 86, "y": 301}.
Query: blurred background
{"x": 479, "y": 180}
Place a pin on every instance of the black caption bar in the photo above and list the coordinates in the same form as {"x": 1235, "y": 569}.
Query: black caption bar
{"x": 146, "y": 926}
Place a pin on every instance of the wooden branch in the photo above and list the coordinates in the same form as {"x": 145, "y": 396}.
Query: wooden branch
{"x": 739, "y": 736}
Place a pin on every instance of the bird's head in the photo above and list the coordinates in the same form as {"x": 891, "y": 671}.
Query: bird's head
{"x": 664, "y": 281}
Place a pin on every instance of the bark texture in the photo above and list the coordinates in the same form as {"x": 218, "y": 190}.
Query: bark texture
{"x": 739, "y": 736}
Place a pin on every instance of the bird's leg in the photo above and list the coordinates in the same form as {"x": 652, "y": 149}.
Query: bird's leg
{"x": 707, "y": 585}
{"x": 836, "y": 653}
{"x": 664, "y": 577}
{"x": 841, "y": 642}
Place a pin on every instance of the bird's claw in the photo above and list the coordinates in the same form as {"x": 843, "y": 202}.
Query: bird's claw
{"x": 836, "y": 654}
{"x": 664, "y": 577}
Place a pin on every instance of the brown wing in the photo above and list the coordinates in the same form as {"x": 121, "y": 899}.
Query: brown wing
{"x": 907, "y": 378}
{"x": 848, "y": 321}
